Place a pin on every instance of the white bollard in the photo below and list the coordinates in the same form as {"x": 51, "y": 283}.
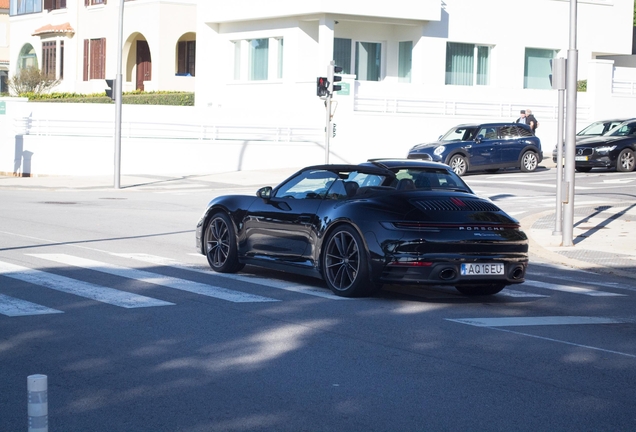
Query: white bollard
{"x": 37, "y": 389}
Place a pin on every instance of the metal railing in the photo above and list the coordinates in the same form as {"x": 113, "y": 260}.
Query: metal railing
{"x": 624, "y": 87}
{"x": 132, "y": 129}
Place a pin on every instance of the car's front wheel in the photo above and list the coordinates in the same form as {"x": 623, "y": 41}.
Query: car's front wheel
{"x": 220, "y": 244}
{"x": 344, "y": 264}
{"x": 625, "y": 161}
{"x": 458, "y": 164}
{"x": 529, "y": 161}
{"x": 480, "y": 290}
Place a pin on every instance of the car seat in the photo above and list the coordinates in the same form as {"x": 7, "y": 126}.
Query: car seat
{"x": 351, "y": 187}
{"x": 405, "y": 184}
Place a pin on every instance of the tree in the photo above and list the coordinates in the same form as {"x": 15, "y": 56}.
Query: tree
{"x": 31, "y": 80}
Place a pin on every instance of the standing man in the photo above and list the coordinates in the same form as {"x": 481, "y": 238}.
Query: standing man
{"x": 531, "y": 121}
{"x": 522, "y": 117}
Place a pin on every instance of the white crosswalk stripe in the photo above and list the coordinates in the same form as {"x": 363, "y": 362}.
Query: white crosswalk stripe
{"x": 534, "y": 321}
{"x": 279, "y": 284}
{"x": 10, "y": 306}
{"x": 79, "y": 288}
{"x": 571, "y": 289}
{"x": 156, "y": 279}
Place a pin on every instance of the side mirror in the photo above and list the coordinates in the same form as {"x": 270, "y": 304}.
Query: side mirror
{"x": 479, "y": 138}
{"x": 264, "y": 193}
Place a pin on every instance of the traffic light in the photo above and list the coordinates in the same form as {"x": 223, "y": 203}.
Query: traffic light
{"x": 322, "y": 86}
{"x": 336, "y": 78}
{"x": 333, "y": 78}
{"x": 111, "y": 88}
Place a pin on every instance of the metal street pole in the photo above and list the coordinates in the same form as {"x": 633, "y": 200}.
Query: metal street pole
{"x": 570, "y": 130}
{"x": 558, "y": 223}
{"x": 327, "y": 127}
{"x": 118, "y": 92}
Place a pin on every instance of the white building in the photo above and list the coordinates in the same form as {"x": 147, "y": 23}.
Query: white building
{"x": 450, "y": 48}
{"x": 412, "y": 69}
{"x": 76, "y": 41}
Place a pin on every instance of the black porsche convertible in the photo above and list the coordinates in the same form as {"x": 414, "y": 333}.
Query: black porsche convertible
{"x": 361, "y": 226}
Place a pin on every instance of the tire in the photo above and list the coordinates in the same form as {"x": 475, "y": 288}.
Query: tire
{"x": 625, "y": 161}
{"x": 480, "y": 290}
{"x": 529, "y": 161}
{"x": 345, "y": 265}
{"x": 583, "y": 169}
{"x": 458, "y": 164}
{"x": 220, "y": 244}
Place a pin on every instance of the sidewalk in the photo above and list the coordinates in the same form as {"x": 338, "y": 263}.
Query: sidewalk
{"x": 603, "y": 235}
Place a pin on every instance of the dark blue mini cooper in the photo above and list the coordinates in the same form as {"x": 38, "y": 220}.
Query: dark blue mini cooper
{"x": 484, "y": 147}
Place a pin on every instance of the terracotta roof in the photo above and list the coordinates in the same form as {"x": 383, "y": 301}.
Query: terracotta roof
{"x": 49, "y": 28}
{"x": 4, "y": 4}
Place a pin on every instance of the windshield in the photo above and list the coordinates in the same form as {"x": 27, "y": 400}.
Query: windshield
{"x": 430, "y": 178}
{"x": 600, "y": 128}
{"x": 624, "y": 129}
{"x": 462, "y": 133}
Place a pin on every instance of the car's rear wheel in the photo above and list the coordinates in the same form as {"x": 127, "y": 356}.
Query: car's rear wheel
{"x": 625, "y": 161}
{"x": 344, "y": 264}
{"x": 529, "y": 161}
{"x": 458, "y": 164}
{"x": 220, "y": 244}
{"x": 583, "y": 169}
{"x": 479, "y": 290}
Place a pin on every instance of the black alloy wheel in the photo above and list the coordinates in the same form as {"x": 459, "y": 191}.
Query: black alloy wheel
{"x": 220, "y": 245}
{"x": 625, "y": 161}
{"x": 344, "y": 264}
{"x": 480, "y": 290}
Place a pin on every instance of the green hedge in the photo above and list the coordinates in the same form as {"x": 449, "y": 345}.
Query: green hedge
{"x": 137, "y": 97}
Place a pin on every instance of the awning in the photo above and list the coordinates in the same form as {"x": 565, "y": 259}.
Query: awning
{"x": 52, "y": 29}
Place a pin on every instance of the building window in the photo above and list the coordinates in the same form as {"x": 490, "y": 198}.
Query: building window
{"x": 467, "y": 64}
{"x": 54, "y": 4}
{"x": 258, "y": 59}
{"x": 49, "y": 53}
{"x": 186, "y": 58}
{"x": 94, "y": 2}
{"x": 537, "y": 69}
{"x": 20, "y": 7}
{"x": 367, "y": 56}
{"x": 27, "y": 58}
{"x": 405, "y": 59}
{"x": 4, "y": 88}
{"x": 368, "y": 61}
{"x": 61, "y": 59}
{"x": 342, "y": 54}
{"x": 94, "y": 59}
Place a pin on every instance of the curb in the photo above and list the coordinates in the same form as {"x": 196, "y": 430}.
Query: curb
{"x": 554, "y": 257}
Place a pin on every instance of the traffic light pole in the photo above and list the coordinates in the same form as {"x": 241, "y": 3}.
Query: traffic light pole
{"x": 327, "y": 127}
{"x": 118, "y": 92}
{"x": 570, "y": 131}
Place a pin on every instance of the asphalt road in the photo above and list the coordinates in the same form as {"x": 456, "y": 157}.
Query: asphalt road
{"x": 110, "y": 300}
